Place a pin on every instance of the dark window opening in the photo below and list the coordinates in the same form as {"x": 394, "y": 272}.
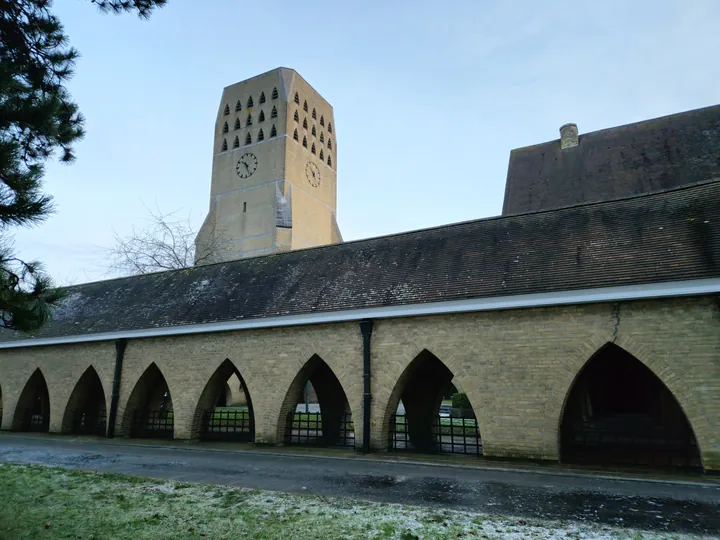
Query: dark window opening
{"x": 273, "y": 131}
{"x": 250, "y": 102}
{"x": 273, "y": 113}
{"x": 274, "y": 93}
{"x": 227, "y": 109}
{"x": 618, "y": 412}
{"x": 261, "y": 136}
{"x": 248, "y": 139}
{"x": 236, "y": 143}
{"x": 262, "y": 98}
{"x": 224, "y": 145}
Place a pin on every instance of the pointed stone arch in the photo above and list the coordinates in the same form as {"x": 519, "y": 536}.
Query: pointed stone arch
{"x": 421, "y": 388}
{"x": 149, "y": 409}
{"x": 32, "y": 412}
{"x": 217, "y": 389}
{"x": 618, "y": 411}
{"x": 332, "y": 398}
{"x": 86, "y": 409}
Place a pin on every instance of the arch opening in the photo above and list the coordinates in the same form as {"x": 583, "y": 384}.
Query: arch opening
{"x": 427, "y": 414}
{"x": 86, "y": 410}
{"x": 316, "y": 411}
{"x": 32, "y": 412}
{"x": 224, "y": 411}
{"x": 149, "y": 411}
{"x": 618, "y": 412}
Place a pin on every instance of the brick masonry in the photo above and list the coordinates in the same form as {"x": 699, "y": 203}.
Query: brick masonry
{"x": 517, "y": 367}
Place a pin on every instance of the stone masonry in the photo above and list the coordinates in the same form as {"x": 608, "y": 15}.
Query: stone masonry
{"x": 517, "y": 367}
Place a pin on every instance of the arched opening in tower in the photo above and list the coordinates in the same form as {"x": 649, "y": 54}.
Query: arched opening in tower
{"x": 618, "y": 412}
{"x": 149, "y": 411}
{"x": 428, "y": 414}
{"x": 224, "y": 410}
{"x": 33, "y": 408}
{"x": 86, "y": 412}
{"x": 316, "y": 410}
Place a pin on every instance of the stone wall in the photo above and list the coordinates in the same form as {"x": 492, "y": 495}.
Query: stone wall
{"x": 517, "y": 367}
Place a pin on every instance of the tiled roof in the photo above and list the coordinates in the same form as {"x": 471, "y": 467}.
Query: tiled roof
{"x": 667, "y": 236}
{"x": 653, "y": 155}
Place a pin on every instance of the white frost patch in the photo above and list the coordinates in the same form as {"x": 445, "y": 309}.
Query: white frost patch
{"x": 409, "y": 521}
{"x": 168, "y": 488}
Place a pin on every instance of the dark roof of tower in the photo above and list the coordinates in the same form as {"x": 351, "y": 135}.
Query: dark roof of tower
{"x": 653, "y": 155}
{"x": 667, "y": 236}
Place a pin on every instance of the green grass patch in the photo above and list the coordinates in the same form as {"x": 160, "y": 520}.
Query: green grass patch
{"x": 48, "y": 503}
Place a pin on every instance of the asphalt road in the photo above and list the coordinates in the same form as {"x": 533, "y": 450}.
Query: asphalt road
{"x": 642, "y": 503}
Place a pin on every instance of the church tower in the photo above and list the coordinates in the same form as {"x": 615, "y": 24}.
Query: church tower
{"x": 274, "y": 181}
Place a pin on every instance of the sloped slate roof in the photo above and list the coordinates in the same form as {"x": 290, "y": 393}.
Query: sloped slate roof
{"x": 653, "y": 155}
{"x": 668, "y": 236}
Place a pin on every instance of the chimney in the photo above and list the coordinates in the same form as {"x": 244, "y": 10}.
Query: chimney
{"x": 568, "y": 136}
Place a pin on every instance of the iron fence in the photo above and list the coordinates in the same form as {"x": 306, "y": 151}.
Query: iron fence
{"x": 152, "y": 424}
{"x": 449, "y": 436}
{"x": 35, "y": 422}
{"x": 89, "y": 422}
{"x": 630, "y": 443}
{"x": 219, "y": 425}
{"x": 306, "y": 429}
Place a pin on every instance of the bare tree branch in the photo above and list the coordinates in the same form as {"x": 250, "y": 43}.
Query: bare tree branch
{"x": 168, "y": 243}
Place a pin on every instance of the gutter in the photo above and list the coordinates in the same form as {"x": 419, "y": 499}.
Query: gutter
{"x": 366, "y": 331}
{"x": 120, "y": 345}
{"x": 645, "y": 291}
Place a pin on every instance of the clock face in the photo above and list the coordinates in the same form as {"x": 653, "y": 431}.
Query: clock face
{"x": 246, "y": 165}
{"x": 313, "y": 174}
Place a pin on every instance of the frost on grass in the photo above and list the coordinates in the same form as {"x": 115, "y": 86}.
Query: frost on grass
{"x": 85, "y": 505}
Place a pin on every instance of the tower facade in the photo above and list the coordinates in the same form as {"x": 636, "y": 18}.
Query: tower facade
{"x": 274, "y": 181}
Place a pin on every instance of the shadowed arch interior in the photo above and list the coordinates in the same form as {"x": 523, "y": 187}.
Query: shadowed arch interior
{"x": 32, "y": 412}
{"x": 86, "y": 412}
{"x": 421, "y": 388}
{"x": 332, "y": 400}
{"x": 619, "y": 412}
{"x": 149, "y": 410}
{"x": 225, "y": 389}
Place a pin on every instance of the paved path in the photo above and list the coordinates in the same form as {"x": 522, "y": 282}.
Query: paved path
{"x": 642, "y": 503}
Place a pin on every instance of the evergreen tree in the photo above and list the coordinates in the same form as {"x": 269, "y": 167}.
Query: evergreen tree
{"x": 37, "y": 119}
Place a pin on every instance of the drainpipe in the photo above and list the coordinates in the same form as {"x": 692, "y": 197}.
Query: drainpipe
{"x": 366, "y": 331}
{"x": 120, "y": 345}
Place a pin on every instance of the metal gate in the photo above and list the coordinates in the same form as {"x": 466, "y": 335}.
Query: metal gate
{"x": 35, "y": 422}
{"x": 306, "y": 429}
{"x": 629, "y": 440}
{"x": 152, "y": 424}
{"x": 89, "y": 422}
{"x": 231, "y": 425}
{"x": 450, "y": 436}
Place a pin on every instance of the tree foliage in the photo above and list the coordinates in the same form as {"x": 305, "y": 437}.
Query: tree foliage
{"x": 38, "y": 118}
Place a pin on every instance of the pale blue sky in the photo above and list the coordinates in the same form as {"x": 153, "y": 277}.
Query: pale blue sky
{"x": 429, "y": 98}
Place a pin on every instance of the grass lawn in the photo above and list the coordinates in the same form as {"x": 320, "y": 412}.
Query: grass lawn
{"x": 43, "y": 502}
